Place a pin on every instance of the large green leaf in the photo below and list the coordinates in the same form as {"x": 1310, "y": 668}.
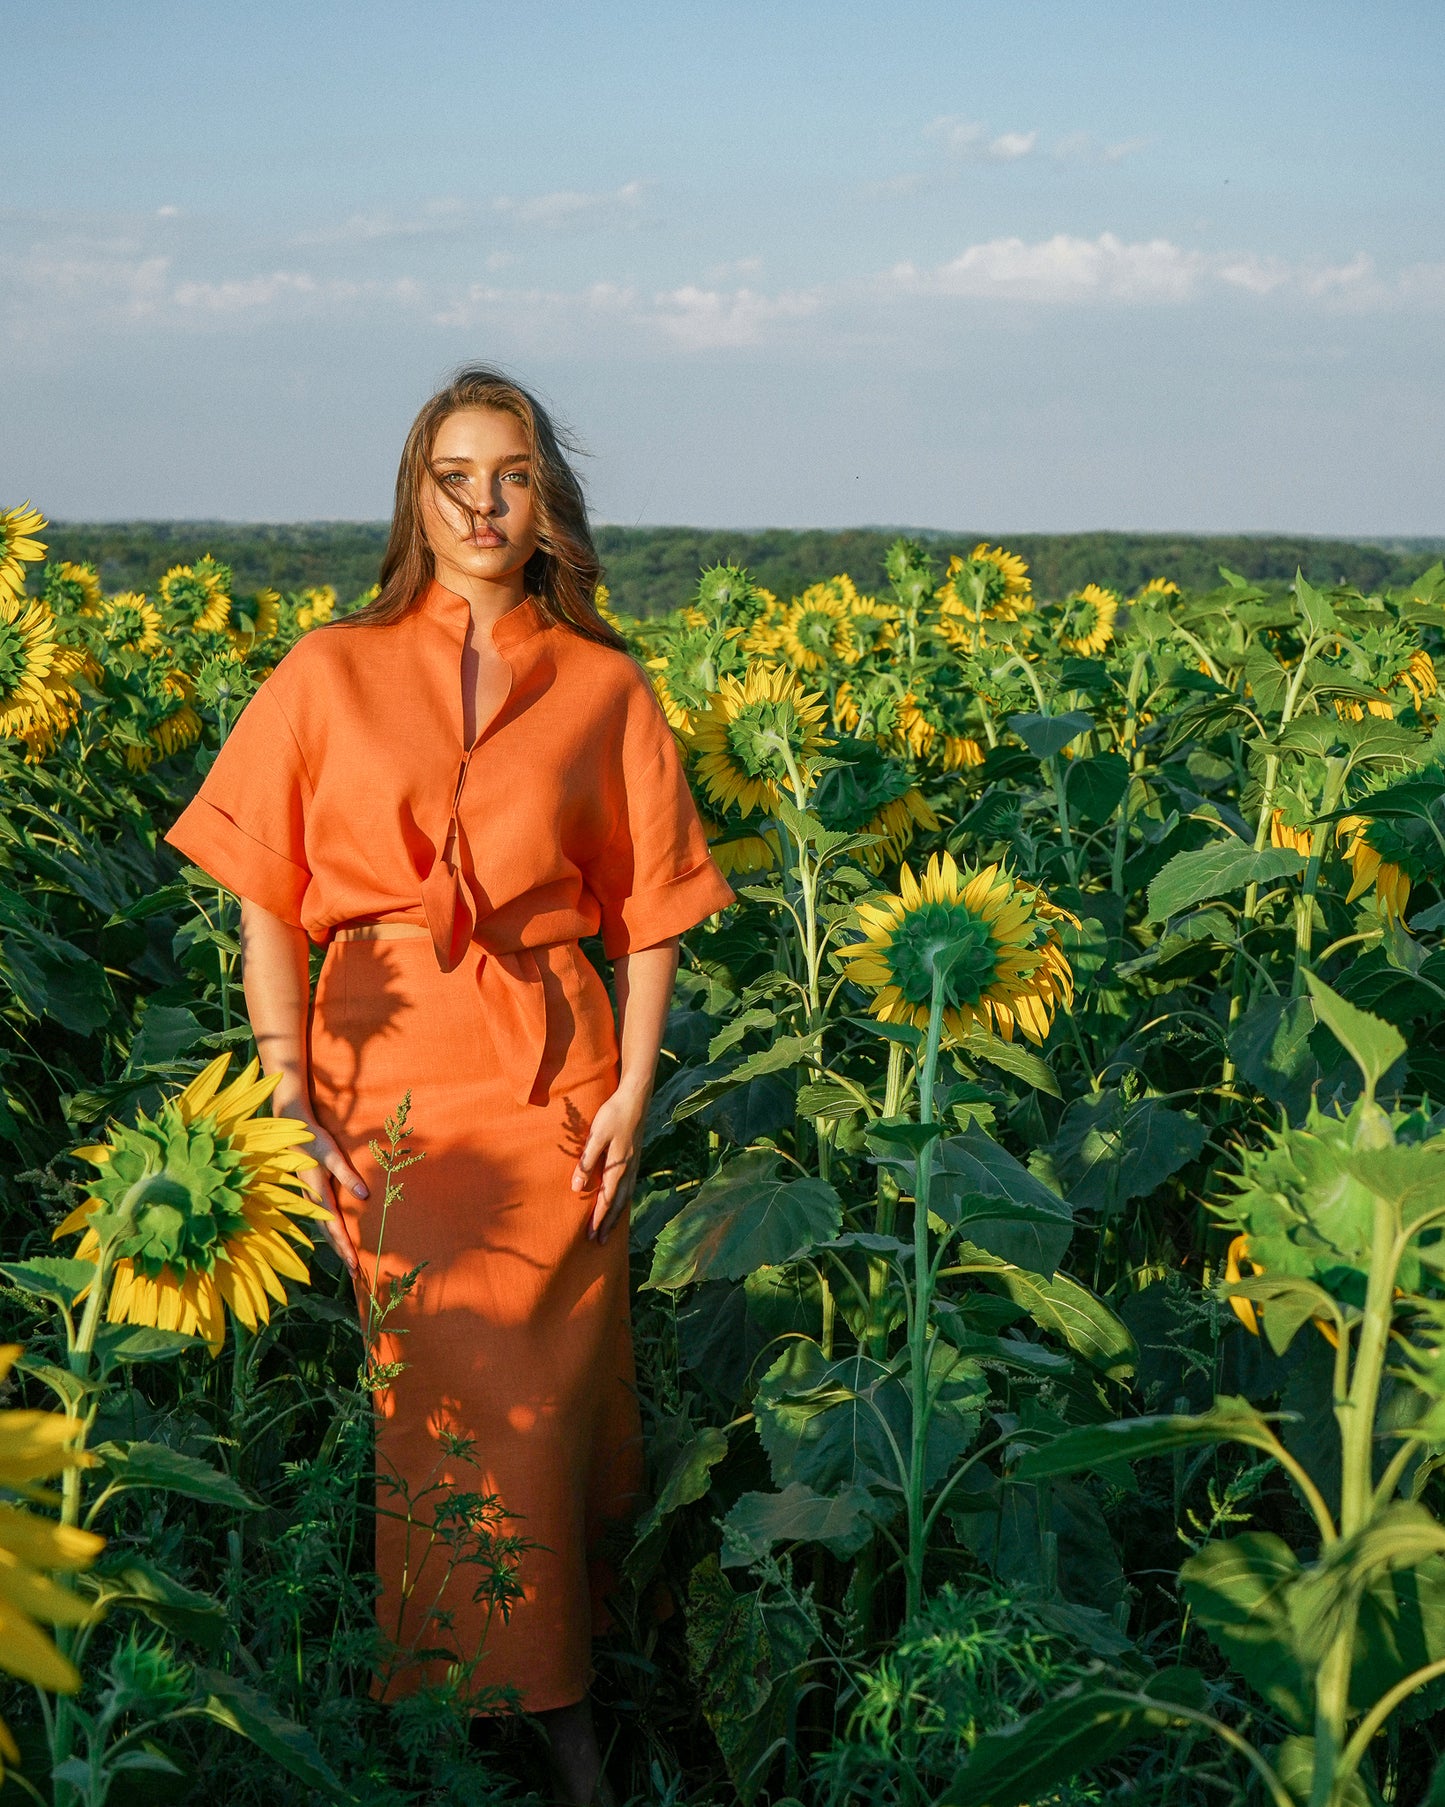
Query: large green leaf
{"x": 840, "y": 1522}
{"x": 1372, "y": 1043}
{"x": 828, "y": 1423}
{"x": 1032, "y": 1226}
{"x": 1095, "y": 787}
{"x": 1085, "y": 1726}
{"x": 1016, "y": 1061}
{"x": 157, "y": 1465}
{"x": 1046, "y": 735}
{"x": 250, "y": 1714}
{"x": 687, "y": 1479}
{"x": 1271, "y": 1047}
{"x": 1062, "y": 1305}
{"x": 1242, "y": 1591}
{"x": 785, "y": 1052}
{"x": 1230, "y": 1420}
{"x": 1215, "y": 871}
{"x": 54, "y": 979}
{"x": 49, "y": 1276}
{"x": 746, "y": 1216}
{"x": 1109, "y": 1152}
{"x": 182, "y": 1610}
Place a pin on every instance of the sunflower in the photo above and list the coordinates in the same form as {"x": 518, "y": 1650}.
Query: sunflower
{"x": 1086, "y": 623}
{"x": 198, "y": 1204}
{"x": 1417, "y": 675}
{"x": 1370, "y": 867}
{"x": 1014, "y": 971}
{"x": 817, "y": 629}
{"x": 131, "y": 623}
{"x": 249, "y": 622}
{"x": 764, "y": 633}
{"x": 989, "y": 585}
{"x": 874, "y": 625}
{"x": 34, "y": 1447}
{"x": 318, "y": 604}
{"x": 1288, "y": 834}
{"x": 72, "y": 589}
{"x": 36, "y": 697}
{"x": 173, "y": 724}
{"x": 959, "y": 751}
{"x": 867, "y": 792}
{"x": 1158, "y": 586}
{"x": 742, "y": 852}
{"x": 196, "y": 596}
{"x": 751, "y": 728}
{"x": 18, "y": 546}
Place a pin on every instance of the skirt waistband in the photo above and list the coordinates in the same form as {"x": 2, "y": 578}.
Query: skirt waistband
{"x": 382, "y": 931}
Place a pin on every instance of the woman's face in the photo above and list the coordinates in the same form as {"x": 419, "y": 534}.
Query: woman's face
{"x": 480, "y": 456}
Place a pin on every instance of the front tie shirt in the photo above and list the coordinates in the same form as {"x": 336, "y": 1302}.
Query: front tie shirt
{"x": 345, "y": 792}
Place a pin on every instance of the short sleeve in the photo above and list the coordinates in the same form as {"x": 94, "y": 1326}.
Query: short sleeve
{"x": 655, "y": 877}
{"x": 246, "y": 825}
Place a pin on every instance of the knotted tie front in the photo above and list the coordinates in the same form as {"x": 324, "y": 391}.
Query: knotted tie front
{"x": 509, "y": 980}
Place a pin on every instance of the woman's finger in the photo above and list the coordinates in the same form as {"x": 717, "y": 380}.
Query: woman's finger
{"x": 597, "y": 1141}
{"x": 613, "y": 1188}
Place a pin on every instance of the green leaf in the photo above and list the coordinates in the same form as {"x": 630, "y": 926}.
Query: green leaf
{"x": 1084, "y": 1727}
{"x": 1095, "y": 787}
{"x": 1064, "y": 1306}
{"x": 1214, "y": 871}
{"x": 54, "y": 979}
{"x": 141, "y": 1343}
{"x": 1373, "y": 1044}
{"x": 1108, "y": 1152}
{"x": 250, "y": 1714}
{"x": 688, "y": 1478}
{"x": 1270, "y": 1046}
{"x": 1046, "y": 735}
{"x": 181, "y": 1610}
{"x": 165, "y": 1032}
{"x": 840, "y": 1522}
{"x": 891, "y": 1140}
{"x": 157, "y": 1465}
{"x": 1034, "y": 1227}
{"x": 823, "y": 1423}
{"x": 1010, "y": 1058}
{"x": 742, "y": 1218}
{"x": 1294, "y": 1764}
{"x": 1240, "y": 1590}
{"x": 787, "y": 1051}
{"x": 49, "y": 1277}
{"x": 1093, "y": 1446}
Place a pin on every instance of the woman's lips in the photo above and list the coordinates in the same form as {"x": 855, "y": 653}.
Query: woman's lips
{"x": 488, "y": 538}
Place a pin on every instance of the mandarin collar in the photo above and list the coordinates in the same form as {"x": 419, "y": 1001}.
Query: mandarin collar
{"x": 455, "y": 612}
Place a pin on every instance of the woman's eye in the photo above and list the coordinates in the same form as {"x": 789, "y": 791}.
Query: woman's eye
{"x": 520, "y": 476}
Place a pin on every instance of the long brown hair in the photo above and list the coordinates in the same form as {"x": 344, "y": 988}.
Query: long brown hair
{"x": 561, "y": 574}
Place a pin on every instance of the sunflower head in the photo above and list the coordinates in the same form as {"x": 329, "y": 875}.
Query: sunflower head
{"x": 132, "y": 623}
{"x": 727, "y": 597}
{"x": 817, "y": 629}
{"x": 197, "y": 596}
{"x": 866, "y": 792}
{"x": 989, "y": 585}
{"x": 995, "y": 939}
{"x": 1158, "y": 586}
{"x": 195, "y": 1205}
{"x": 1086, "y": 621}
{"x": 18, "y": 545}
{"x": 318, "y": 604}
{"x": 71, "y": 589}
{"x": 754, "y": 728}
{"x": 38, "y": 701}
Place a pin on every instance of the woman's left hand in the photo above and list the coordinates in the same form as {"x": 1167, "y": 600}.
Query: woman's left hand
{"x": 614, "y": 1145}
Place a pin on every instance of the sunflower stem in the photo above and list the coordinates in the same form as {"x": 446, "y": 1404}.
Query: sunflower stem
{"x": 920, "y": 1326}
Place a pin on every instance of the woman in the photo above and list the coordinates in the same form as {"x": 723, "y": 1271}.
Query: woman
{"x": 446, "y": 790}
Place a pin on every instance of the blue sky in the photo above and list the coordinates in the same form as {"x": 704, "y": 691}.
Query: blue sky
{"x": 1047, "y": 265}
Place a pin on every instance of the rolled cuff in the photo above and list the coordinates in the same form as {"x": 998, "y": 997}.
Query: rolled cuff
{"x": 647, "y": 917}
{"x": 239, "y": 862}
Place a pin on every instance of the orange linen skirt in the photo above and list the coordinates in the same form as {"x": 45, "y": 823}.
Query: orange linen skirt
{"x": 518, "y": 1379}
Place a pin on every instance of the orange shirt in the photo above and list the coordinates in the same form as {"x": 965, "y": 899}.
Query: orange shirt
{"x": 344, "y": 791}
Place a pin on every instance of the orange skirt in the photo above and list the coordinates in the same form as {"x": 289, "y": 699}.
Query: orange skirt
{"x": 516, "y": 1341}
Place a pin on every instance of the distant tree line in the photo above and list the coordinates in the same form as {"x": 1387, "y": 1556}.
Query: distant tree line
{"x": 649, "y": 569}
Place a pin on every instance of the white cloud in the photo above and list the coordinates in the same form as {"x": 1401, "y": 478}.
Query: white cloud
{"x": 701, "y": 319}
{"x": 437, "y": 217}
{"x": 1084, "y": 147}
{"x": 571, "y": 207}
{"x": 1061, "y": 268}
{"x": 967, "y": 138}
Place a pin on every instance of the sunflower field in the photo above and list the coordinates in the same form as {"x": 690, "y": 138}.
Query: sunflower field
{"x": 1039, "y": 1253}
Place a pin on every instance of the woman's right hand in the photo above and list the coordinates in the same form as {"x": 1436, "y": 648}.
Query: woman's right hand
{"x": 332, "y": 1171}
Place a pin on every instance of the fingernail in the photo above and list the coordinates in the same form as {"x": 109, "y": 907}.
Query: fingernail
{"x": 360, "y": 1190}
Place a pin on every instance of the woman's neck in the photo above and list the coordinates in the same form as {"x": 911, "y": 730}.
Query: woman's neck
{"x": 488, "y": 598}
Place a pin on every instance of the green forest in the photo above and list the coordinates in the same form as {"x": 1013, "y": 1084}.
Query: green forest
{"x": 651, "y": 569}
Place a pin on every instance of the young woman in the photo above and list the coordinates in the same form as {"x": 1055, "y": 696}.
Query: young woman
{"x": 446, "y": 790}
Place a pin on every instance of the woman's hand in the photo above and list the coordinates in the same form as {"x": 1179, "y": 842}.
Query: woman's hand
{"x": 614, "y": 1144}
{"x": 332, "y": 1171}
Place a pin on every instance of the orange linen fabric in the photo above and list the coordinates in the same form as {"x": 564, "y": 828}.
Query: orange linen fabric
{"x": 344, "y": 792}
